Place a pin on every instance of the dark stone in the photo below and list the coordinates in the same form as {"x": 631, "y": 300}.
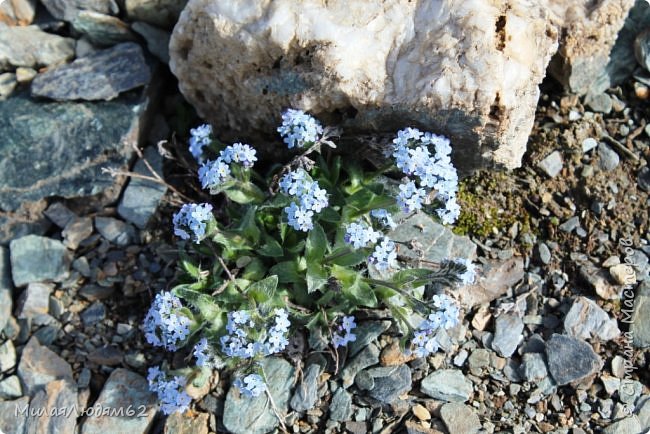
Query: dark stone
{"x": 67, "y": 9}
{"x": 160, "y": 13}
{"x": 306, "y": 393}
{"x": 99, "y": 76}
{"x": 102, "y": 30}
{"x": 94, "y": 313}
{"x": 114, "y": 230}
{"x": 157, "y": 40}
{"x": 390, "y": 382}
{"x": 59, "y": 149}
{"x": 95, "y": 292}
{"x": 570, "y": 359}
{"x": 341, "y": 405}
{"x": 643, "y": 179}
{"x": 108, "y": 355}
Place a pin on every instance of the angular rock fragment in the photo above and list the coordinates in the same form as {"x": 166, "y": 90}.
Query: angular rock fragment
{"x": 507, "y": 334}
{"x": 38, "y": 259}
{"x": 102, "y": 30}
{"x": 99, "y": 76}
{"x": 67, "y": 9}
{"x": 32, "y": 47}
{"x": 39, "y": 366}
{"x": 17, "y": 12}
{"x": 570, "y": 359}
{"x": 447, "y": 385}
{"x": 586, "y": 319}
{"x": 52, "y": 409}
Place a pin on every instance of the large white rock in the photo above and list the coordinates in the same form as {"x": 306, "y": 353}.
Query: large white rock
{"x": 469, "y": 69}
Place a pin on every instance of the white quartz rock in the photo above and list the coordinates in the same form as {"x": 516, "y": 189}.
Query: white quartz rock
{"x": 468, "y": 69}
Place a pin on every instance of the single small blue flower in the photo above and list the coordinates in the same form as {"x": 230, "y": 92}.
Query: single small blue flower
{"x": 199, "y": 138}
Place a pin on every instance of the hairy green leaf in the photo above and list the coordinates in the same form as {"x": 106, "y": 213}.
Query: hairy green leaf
{"x": 316, "y": 245}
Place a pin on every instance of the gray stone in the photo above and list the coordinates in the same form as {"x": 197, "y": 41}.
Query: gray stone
{"x": 141, "y": 197}
{"x": 10, "y": 388}
{"x": 59, "y": 214}
{"x": 569, "y": 225}
{"x": 76, "y": 231}
{"x": 478, "y": 360}
{"x": 447, "y": 385}
{"x": 306, "y": 394}
{"x": 66, "y": 148}
{"x": 37, "y": 259}
{"x": 114, "y": 230}
{"x": 244, "y": 415}
{"x": 48, "y": 334}
{"x": 367, "y": 357}
{"x": 123, "y": 389}
{"x": 588, "y": 144}
{"x": 460, "y": 418}
{"x": 600, "y": 103}
{"x": 629, "y": 391}
{"x": 609, "y": 159}
{"x": 507, "y": 334}
{"x": 496, "y": 278}
{"x": 544, "y": 253}
{"x": 34, "y": 300}
{"x": 643, "y": 412}
{"x": 25, "y": 75}
{"x": 95, "y": 292}
{"x": 32, "y": 47}
{"x": 13, "y": 415}
{"x": 570, "y": 359}
{"x": 341, "y": 405}
{"x": 586, "y": 319}
{"x": 390, "y": 382}
{"x": 8, "y": 83}
{"x": 39, "y": 366}
{"x": 643, "y": 179}
{"x": 99, "y": 76}
{"x": 46, "y": 404}
{"x": 552, "y": 164}
{"x": 67, "y": 9}
{"x": 107, "y": 355}
{"x": 102, "y": 30}
{"x": 161, "y": 13}
{"x": 628, "y": 425}
{"x": 640, "y": 324}
{"x": 7, "y": 356}
{"x": 17, "y": 12}
{"x": 598, "y": 280}
{"x": 6, "y": 299}
{"x": 94, "y": 313}
{"x": 435, "y": 241}
{"x": 533, "y": 367}
{"x": 157, "y": 40}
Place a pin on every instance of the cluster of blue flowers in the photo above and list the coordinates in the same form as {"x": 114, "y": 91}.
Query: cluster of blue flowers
{"x": 253, "y": 385}
{"x": 434, "y": 172}
{"x": 213, "y": 173}
{"x": 299, "y": 129}
{"x": 191, "y": 221}
{"x": 171, "y": 392}
{"x": 446, "y": 317}
{"x": 241, "y": 326}
{"x": 384, "y": 217}
{"x": 343, "y": 333}
{"x": 310, "y": 197}
{"x": 163, "y": 327}
{"x": 199, "y": 138}
{"x": 359, "y": 235}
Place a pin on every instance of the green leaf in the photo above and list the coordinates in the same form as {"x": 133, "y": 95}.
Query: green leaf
{"x": 263, "y": 290}
{"x": 346, "y": 257}
{"x": 412, "y": 278}
{"x": 329, "y": 215}
{"x": 316, "y": 277}
{"x": 191, "y": 269}
{"x": 316, "y": 245}
{"x": 255, "y": 270}
{"x": 243, "y": 192}
{"x": 248, "y": 226}
{"x": 287, "y": 272}
{"x": 271, "y": 248}
{"x": 204, "y": 303}
{"x": 362, "y": 293}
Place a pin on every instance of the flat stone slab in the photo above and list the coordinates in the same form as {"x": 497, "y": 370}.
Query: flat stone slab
{"x": 39, "y": 366}
{"x": 46, "y": 414}
{"x": 447, "y": 385}
{"x": 127, "y": 390}
{"x": 59, "y": 148}
{"x": 570, "y": 359}
{"x": 244, "y": 415}
{"x": 38, "y": 259}
{"x": 100, "y": 76}
{"x": 32, "y": 47}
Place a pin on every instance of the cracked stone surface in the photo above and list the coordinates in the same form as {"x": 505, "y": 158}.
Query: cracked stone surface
{"x": 65, "y": 145}
{"x": 459, "y": 71}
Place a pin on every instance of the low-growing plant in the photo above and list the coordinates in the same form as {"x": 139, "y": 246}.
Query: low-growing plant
{"x": 306, "y": 245}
